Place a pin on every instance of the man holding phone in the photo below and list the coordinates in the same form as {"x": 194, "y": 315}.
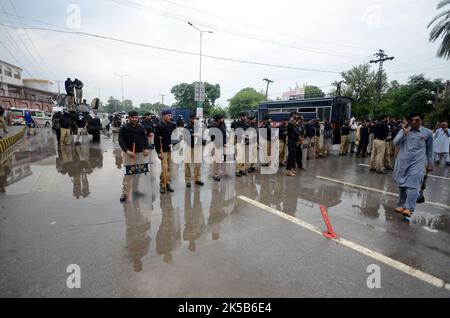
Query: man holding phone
{"x": 416, "y": 153}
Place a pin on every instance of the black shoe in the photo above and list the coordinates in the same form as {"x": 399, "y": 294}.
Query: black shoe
{"x": 199, "y": 183}
{"x": 217, "y": 178}
{"x": 252, "y": 169}
{"x": 169, "y": 188}
{"x": 123, "y": 198}
{"x": 238, "y": 174}
{"x": 242, "y": 173}
{"x": 188, "y": 184}
{"x": 5, "y": 131}
{"x": 162, "y": 190}
{"x": 448, "y": 164}
{"x": 438, "y": 162}
{"x": 389, "y": 168}
{"x": 382, "y": 172}
{"x": 281, "y": 165}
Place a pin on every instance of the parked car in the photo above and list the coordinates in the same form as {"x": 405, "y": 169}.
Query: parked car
{"x": 18, "y": 116}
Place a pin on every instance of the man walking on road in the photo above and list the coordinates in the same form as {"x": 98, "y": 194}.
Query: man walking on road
{"x": 134, "y": 144}
{"x": 163, "y": 146}
{"x": 416, "y": 154}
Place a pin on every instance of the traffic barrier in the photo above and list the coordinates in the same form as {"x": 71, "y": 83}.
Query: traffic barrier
{"x": 7, "y": 142}
{"x": 330, "y": 234}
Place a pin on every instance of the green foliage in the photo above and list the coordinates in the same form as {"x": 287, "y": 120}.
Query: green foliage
{"x": 441, "y": 111}
{"x": 184, "y": 96}
{"x": 114, "y": 105}
{"x": 217, "y": 110}
{"x": 246, "y": 99}
{"x": 361, "y": 84}
{"x": 313, "y": 91}
{"x": 150, "y": 108}
{"x": 441, "y": 29}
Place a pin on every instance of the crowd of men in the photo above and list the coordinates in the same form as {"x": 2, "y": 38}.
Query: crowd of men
{"x": 298, "y": 141}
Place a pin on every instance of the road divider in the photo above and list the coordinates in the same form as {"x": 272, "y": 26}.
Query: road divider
{"x": 7, "y": 142}
{"x": 427, "y": 278}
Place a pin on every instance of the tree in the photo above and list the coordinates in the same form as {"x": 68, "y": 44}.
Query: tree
{"x": 246, "y": 99}
{"x": 441, "y": 111}
{"x": 441, "y": 29}
{"x": 361, "y": 85}
{"x": 313, "y": 91}
{"x": 114, "y": 105}
{"x": 218, "y": 110}
{"x": 184, "y": 95}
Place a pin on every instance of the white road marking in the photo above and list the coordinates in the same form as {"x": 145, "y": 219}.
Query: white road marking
{"x": 441, "y": 205}
{"x": 430, "y": 175}
{"x": 437, "y": 282}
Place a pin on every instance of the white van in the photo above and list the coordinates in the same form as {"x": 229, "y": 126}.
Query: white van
{"x": 18, "y": 116}
{"x": 41, "y": 118}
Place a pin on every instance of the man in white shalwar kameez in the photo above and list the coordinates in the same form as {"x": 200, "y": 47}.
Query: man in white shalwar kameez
{"x": 441, "y": 144}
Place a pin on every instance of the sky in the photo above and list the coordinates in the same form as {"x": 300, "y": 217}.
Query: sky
{"x": 316, "y": 40}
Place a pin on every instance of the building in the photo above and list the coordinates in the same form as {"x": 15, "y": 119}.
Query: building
{"x": 18, "y": 92}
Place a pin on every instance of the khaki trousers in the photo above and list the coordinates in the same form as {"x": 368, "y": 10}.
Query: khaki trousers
{"x": 130, "y": 182}
{"x": 344, "y": 145}
{"x": 377, "y": 156}
{"x": 283, "y": 148}
{"x": 164, "y": 178}
{"x": 189, "y": 159}
{"x": 65, "y": 136}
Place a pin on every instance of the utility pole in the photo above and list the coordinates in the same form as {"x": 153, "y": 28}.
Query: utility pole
{"x": 59, "y": 88}
{"x": 162, "y": 98}
{"x": 267, "y": 87}
{"x": 382, "y": 57}
{"x": 121, "y": 81}
{"x": 200, "y": 91}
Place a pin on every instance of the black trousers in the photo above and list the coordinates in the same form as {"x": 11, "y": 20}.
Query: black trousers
{"x": 292, "y": 153}
{"x": 58, "y": 135}
{"x": 362, "y": 147}
{"x": 298, "y": 156}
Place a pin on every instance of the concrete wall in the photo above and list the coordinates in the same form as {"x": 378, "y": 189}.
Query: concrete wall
{"x": 8, "y": 102}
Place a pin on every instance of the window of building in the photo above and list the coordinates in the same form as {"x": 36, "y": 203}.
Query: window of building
{"x": 17, "y": 74}
{"x": 8, "y": 72}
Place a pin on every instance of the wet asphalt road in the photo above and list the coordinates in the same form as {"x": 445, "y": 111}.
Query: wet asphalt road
{"x": 62, "y": 207}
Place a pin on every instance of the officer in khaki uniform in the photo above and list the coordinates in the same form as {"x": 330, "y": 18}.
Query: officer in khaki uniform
{"x": 163, "y": 146}
{"x": 194, "y": 145}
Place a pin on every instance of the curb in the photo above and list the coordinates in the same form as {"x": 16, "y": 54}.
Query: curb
{"x": 7, "y": 142}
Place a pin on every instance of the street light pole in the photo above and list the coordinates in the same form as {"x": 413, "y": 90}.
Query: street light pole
{"x": 200, "y": 102}
{"x": 121, "y": 81}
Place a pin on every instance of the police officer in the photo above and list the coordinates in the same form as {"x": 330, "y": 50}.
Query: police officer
{"x": 134, "y": 144}
{"x": 163, "y": 146}
{"x": 194, "y": 143}
{"x": 240, "y": 144}
{"x": 293, "y": 137}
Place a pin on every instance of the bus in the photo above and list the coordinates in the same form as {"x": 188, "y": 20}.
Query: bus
{"x": 336, "y": 108}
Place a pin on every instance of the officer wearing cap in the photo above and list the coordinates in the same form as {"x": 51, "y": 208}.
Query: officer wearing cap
{"x": 163, "y": 146}
{"x": 240, "y": 146}
{"x": 134, "y": 144}
{"x": 219, "y": 124}
{"x": 194, "y": 143}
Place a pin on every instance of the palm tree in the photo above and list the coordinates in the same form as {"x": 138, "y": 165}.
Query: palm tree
{"x": 441, "y": 29}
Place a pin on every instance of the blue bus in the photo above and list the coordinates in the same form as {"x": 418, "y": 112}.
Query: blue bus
{"x": 336, "y": 108}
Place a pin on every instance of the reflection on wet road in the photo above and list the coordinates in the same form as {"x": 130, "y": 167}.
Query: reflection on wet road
{"x": 60, "y": 206}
